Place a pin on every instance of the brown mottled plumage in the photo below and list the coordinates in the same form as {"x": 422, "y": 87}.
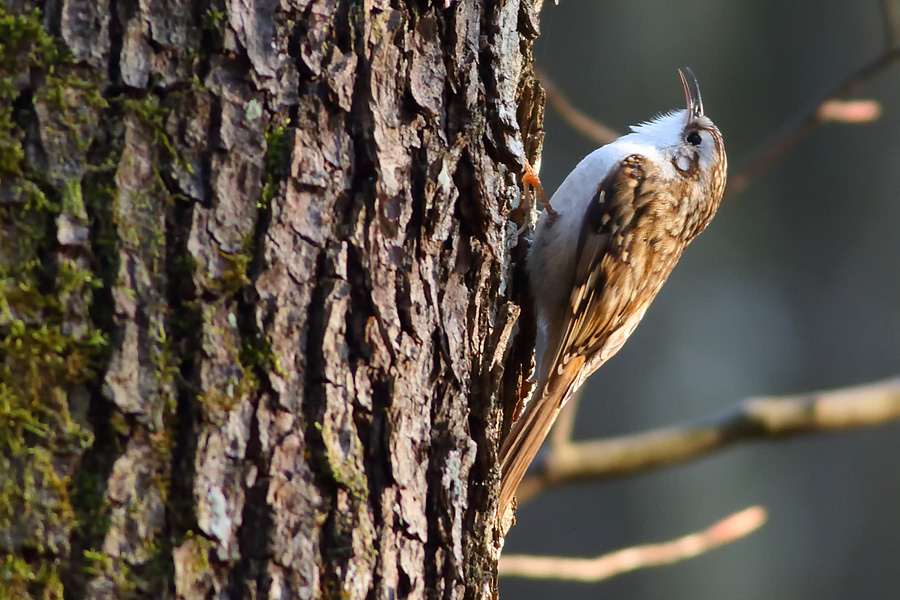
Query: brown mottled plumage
{"x": 602, "y": 254}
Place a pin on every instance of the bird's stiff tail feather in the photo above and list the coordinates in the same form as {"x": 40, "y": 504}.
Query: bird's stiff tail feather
{"x": 529, "y": 431}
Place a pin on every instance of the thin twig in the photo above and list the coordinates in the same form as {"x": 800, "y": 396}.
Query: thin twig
{"x": 796, "y": 128}
{"x": 850, "y": 111}
{"x": 753, "y": 419}
{"x": 576, "y": 119}
{"x": 891, "y": 23}
{"x": 728, "y": 530}
{"x": 805, "y": 122}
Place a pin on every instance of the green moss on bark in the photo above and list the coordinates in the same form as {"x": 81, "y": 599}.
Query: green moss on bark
{"x": 50, "y": 352}
{"x": 24, "y": 45}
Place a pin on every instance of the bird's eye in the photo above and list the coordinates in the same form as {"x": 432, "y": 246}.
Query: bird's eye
{"x": 694, "y": 138}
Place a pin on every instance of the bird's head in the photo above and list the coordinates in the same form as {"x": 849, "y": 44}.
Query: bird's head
{"x": 690, "y": 141}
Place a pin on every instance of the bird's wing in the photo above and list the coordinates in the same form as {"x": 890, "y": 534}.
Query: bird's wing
{"x": 604, "y": 286}
{"x": 609, "y": 265}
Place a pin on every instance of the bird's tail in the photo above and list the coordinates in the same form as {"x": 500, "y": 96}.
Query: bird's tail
{"x": 528, "y": 432}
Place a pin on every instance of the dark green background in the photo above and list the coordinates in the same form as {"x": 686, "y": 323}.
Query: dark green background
{"x": 795, "y": 287}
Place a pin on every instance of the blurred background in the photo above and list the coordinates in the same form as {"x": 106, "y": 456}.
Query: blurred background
{"x": 795, "y": 287}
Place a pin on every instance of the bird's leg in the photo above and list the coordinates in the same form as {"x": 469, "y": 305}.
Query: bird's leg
{"x": 530, "y": 178}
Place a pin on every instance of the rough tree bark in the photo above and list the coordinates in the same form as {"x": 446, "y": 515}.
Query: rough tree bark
{"x": 260, "y": 269}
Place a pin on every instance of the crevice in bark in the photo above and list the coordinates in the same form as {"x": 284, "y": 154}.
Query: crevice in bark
{"x": 88, "y": 489}
{"x": 469, "y": 213}
{"x": 419, "y": 178}
{"x": 211, "y": 42}
{"x": 254, "y": 531}
{"x": 116, "y": 38}
{"x": 25, "y": 118}
{"x": 213, "y": 141}
{"x": 186, "y": 324}
{"x": 90, "y": 479}
{"x": 314, "y": 406}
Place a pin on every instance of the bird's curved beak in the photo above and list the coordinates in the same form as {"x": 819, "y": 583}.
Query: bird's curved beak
{"x": 691, "y": 97}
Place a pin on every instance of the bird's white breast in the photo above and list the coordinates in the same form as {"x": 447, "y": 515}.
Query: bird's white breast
{"x": 559, "y": 239}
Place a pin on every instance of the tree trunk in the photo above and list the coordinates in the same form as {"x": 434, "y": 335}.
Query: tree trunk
{"x": 261, "y": 276}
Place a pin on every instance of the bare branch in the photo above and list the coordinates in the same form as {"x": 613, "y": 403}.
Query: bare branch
{"x": 753, "y": 419}
{"x": 805, "y": 122}
{"x": 728, "y": 530}
{"x": 576, "y": 119}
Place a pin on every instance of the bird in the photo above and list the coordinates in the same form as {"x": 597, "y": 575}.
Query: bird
{"x": 606, "y": 243}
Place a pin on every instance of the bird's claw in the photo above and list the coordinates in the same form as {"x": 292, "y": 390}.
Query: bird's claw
{"x": 531, "y": 179}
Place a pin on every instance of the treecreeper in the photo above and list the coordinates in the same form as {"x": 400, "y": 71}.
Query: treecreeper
{"x": 607, "y": 241}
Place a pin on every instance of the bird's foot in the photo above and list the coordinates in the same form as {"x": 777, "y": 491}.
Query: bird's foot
{"x": 531, "y": 179}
